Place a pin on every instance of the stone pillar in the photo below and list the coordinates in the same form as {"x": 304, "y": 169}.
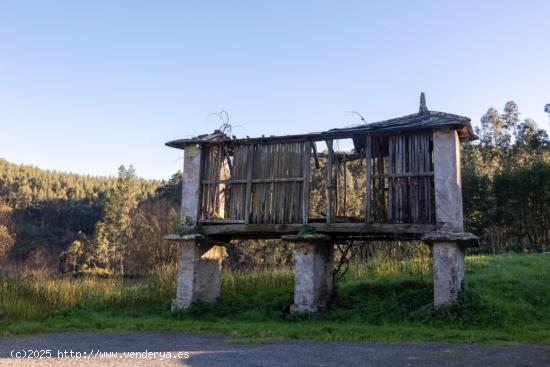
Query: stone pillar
{"x": 313, "y": 283}
{"x": 199, "y": 272}
{"x": 190, "y": 199}
{"x": 448, "y": 263}
{"x": 447, "y": 181}
{"x": 448, "y": 272}
{"x": 448, "y": 255}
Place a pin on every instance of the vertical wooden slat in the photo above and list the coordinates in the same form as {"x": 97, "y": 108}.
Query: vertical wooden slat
{"x": 345, "y": 185}
{"x": 329, "y": 181}
{"x": 247, "y": 198}
{"x": 391, "y": 146}
{"x": 305, "y": 187}
{"x": 368, "y": 202}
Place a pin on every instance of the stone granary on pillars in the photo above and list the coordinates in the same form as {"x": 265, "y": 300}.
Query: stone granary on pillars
{"x": 260, "y": 188}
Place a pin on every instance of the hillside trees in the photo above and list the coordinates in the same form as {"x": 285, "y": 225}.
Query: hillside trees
{"x": 523, "y": 202}
{"x": 129, "y": 236}
{"x": 502, "y": 176}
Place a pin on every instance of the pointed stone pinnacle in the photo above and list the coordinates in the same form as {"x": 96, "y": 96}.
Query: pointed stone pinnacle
{"x": 423, "y": 108}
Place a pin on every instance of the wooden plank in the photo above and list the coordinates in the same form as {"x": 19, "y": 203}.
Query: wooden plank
{"x": 247, "y": 198}
{"x": 344, "y": 164}
{"x": 305, "y": 187}
{"x": 368, "y": 202}
{"x": 335, "y": 183}
{"x": 391, "y": 147}
{"x": 315, "y": 155}
{"x": 222, "y": 221}
{"x": 228, "y": 157}
{"x": 324, "y": 228}
{"x": 256, "y": 180}
{"x": 329, "y": 180}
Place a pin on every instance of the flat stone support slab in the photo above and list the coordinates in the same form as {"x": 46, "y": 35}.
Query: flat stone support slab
{"x": 313, "y": 283}
{"x": 448, "y": 272}
{"x": 199, "y": 273}
{"x": 464, "y": 239}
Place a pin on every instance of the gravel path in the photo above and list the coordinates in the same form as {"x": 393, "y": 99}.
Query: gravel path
{"x": 184, "y": 349}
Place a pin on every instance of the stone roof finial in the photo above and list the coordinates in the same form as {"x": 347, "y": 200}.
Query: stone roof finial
{"x": 423, "y": 108}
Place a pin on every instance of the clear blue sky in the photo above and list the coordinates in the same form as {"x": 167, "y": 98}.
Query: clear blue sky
{"x": 88, "y": 85}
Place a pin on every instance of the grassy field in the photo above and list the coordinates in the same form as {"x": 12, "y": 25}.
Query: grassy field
{"x": 507, "y": 299}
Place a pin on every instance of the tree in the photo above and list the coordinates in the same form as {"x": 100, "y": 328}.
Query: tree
{"x": 71, "y": 260}
{"x": 524, "y": 201}
{"x": 530, "y": 136}
{"x": 510, "y": 119}
{"x": 115, "y": 231}
{"x": 6, "y": 238}
{"x": 491, "y": 127}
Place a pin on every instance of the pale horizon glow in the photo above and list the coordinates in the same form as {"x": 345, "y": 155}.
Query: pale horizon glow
{"x": 88, "y": 86}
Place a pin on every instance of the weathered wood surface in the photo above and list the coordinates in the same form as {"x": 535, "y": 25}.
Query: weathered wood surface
{"x": 212, "y": 182}
{"x": 357, "y": 231}
{"x": 354, "y": 228}
{"x": 330, "y": 187}
{"x": 269, "y": 182}
{"x": 400, "y": 171}
{"x": 369, "y": 182}
{"x": 306, "y": 169}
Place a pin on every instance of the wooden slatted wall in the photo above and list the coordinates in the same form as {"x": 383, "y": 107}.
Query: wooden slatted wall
{"x": 400, "y": 179}
{"x": 269, "y": 183}
{"x": 278, "y": 181}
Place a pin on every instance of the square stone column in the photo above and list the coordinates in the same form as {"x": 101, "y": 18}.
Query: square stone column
{"x": 448, "y": 272}
{"x": 448, "y": 255}
{"x": 313, "y": 281}
{"x": 447, "y": 181}
{"x": 448, "y": 263}
{"x": 191, "y": 184}
{"x": 199, "y": 272}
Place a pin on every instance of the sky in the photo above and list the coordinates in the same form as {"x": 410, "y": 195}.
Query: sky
{"x": 86, "y": 86}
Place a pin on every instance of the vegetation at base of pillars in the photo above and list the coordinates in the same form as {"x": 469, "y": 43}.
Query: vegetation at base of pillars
{"x": 306, "y": 231}
{"x": 183, "y": 227}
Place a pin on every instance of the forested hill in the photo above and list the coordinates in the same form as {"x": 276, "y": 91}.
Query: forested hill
{"x": 48, "y": 210}
{"x": 23, "y": 186}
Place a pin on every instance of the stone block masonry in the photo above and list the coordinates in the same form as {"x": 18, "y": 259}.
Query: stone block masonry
{"x": 199, "y": 274}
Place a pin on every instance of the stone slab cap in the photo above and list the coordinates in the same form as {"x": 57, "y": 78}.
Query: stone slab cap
{"x": 464, "y": 239}
{"x": 296, "y": 238}
{"x": 187, "y": 237}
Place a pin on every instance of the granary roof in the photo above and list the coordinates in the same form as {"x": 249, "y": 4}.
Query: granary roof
{"x": 417, "y": 121}
{"x": 423, "y": 120}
